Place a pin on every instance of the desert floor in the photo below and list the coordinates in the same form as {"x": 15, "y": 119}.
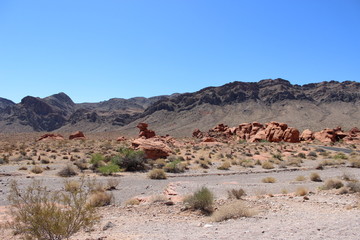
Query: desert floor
{"x": 280, "y": 211}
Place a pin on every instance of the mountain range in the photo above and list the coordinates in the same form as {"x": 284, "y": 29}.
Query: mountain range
{"x": 314, "y": 106}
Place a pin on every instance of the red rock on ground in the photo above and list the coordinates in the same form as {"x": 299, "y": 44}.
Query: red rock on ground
{"x": 51, "y": 136}
{"x": 144, "y": 132}
{"x": 154, "y": 148}
{"x": 121, "y": 139}
{"x": 208, "y": 139}
{"x": 327, "y": 135}
{"x": 307, "y": 135}
{"x": 291, "y": 135}
{"x": 77, "y": 135}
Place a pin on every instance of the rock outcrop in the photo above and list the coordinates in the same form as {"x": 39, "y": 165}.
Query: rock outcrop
{"x": 77, "y": 136}
{"x": 51, "y": 137}
{"x": 153, "y": 148}
{"x": 144, "y": 131}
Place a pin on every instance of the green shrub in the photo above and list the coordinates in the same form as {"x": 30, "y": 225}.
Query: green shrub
{"x": 202, "y": 199}
{"x": 96, "y": 159}
{"x": 157, "y": 174}
{"x": 38, "y": 214}
{"x": 130, "y": 159}
{"x": 108, "y": 169}
{"x": 175, "y": 167}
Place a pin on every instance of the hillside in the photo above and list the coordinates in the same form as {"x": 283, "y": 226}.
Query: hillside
{"x": 315, "y": 106}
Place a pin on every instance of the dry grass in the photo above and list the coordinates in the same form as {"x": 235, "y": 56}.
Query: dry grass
{"x": 67, "y": 171}
{"x": 232, "y": 210}
{"x": 37, "y": 170}
{"x": 236, "y": 193}
{"x": 332, "y": 183}
{"x": 157, "y": 174}
{"x": 300, "y": 178}
{"x": 267, "y": 165}
{"x": 100, "y": 198}
{"x": 132, "y": 202}
{"x": 269, "y": 180}
{"x": 301, "y": 191}
{"x": 225, "y": 166}
{"x": 315, "y": 177}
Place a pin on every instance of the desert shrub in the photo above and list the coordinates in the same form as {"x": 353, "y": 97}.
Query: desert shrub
{"x": 4, "y": 160}
{"x": 355, "y": 162}
{"x": 204, "y": 164}
{"x": 315, "y": 177}
{"x": 45, "y": 161}
{"x": 175, "y": 167}
{"x": 301, "y": 191}
{"x": 38, "y": 214}
{"x": 96, "y": 159}
{"x": 332, "y": 183}
{"x": 232, "y": 211}
{"x": 112, "y": 183}
{"x": 267, "y": 165}
{"x": 157, "y": 174}
{"x": 67, "y": 171}
{"x": 312, "y": 154}
{"x": 23, "y": 168}
{"x": 300, "y": 178}
{"x": 340, "y": 156}
{"x": 354, "y": 186}
{"x": 269, "y": 180}
{"x": 301, "y": 155}
{"x": 37, "y": 169}
{"x": 132, "y": 201}
{"x": 100, "y": 198}
{"x": 277, "y": 156}
{"x": 247, "y": 163}
{"x": 108, "y": 169}
{"x": 130, "y": 160}
{"x": 236, "y": 193}
{"x": 225, "y": 166}
{"x": 202, "y": 199}
{"x": 81, "y": 164}
{"x": 160, "y": 163}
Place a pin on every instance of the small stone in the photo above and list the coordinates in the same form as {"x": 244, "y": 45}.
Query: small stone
{"x": 108, "y": 225}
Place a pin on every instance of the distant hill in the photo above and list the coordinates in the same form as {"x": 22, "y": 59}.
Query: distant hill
{"x": 314, "y": 106}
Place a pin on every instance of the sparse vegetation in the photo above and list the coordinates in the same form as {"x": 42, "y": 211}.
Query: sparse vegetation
{"x": 67, "y": 171}
{"x": 315, "y": 177}
{"x": 37, "y": 169}
{"x": 236, "y": 193}
{"x": 225, "y": 166}
{"x": 301, "y": 191}
{"x": 157, "y": 174}
{"x": 267, "y": 165}
{"x": 232, "y": 210}
{"x": 130, "y": 159}
{"x": 332, "y": 183}
{"x": 269, "y": 180}
{"x": 38, "y": 214}
{"x": 300, "y": 178}
{"x": 175, "y": 167}
{"x": 108, "y": 169}
{"x": 202, "y": 199}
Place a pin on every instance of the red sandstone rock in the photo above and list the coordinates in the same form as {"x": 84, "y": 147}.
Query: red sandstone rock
{"x": 51, "y": 136}
{"x": 327, "y": 135}
{"x": 154, "y": 148}
{"x": 291, "y": 135}
{"x": 307, "y": 135}
{"x": 121, "y": 139}
{"x": 144, "y": 132}
{"x": 197, "y": 133}
{"x": 77, "y": 135}
{"x": 209, "y": 139}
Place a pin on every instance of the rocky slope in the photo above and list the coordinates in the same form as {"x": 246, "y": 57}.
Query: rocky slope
{"x": 314, "y": 106}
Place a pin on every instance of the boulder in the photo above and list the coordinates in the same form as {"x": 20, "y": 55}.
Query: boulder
{"x": 274, "y": 131}
{"x": 153, "y": 148}
{"x": 291, "y": 135}
{"x": 50, "y": 137}
{"x": 77, "y": 136}
{"x": 144, "y": 132}
{"x": 307, "y": 135}
{"x": 326, "y": 136}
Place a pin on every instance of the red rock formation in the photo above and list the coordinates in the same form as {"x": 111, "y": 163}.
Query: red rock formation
{"x": 121, "y": 139}
{"x": 77, "y": 136}
{"x": 307, "y": 135}
{"x": 51, "y": 136}
{"x": 144, "y": 132}
{"x": 291, "y": 135}
{"x": 154, "y": 148}
{"x": 197, "y": 133}
{"x": 327, "y": 135}
{"x": 209, "y": 139}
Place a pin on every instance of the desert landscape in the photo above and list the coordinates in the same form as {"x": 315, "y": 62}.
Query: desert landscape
{"x": 254, "y": 181}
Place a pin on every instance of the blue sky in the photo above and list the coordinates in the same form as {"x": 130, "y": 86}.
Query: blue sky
{"x": 96, "y": 50}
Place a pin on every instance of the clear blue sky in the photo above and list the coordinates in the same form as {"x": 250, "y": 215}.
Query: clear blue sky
{"x": 96, "y": 50}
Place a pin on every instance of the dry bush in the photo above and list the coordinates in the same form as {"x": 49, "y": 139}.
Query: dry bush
{"x": 202, "y": 199}
{"x": 225, "y": 166}
{"x": 38, "y": 214}
{"x": 315, "y": 177}
{"x": 82, "y": 164}
{"x": 236, "y": 193}
{"x": 23, "y": 168}
{"x": 157, "y": 174}
{"x": 158, "y": 199}
{"x": 332, "y": 183}
{"x": 354, "y": 186}
{"x": 269, "y": 180}
{"x": 301, "y": 191}
{"x": 267, "y": 165}
{"x": 355, "y": 162}
{"x": 37, "y": 169}
{"x": 132, "y": 201}
{"x": 112, "y": 183}
{"x": 175, "y": 167}
{"x": 67, "y": 171}
{"x": 300, "y": 178}
{"x": 232, "y": 210}
{"x": 100, "y": 198}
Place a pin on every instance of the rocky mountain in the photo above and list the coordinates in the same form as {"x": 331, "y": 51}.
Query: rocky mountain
{"x": 5, "y": 103}
{"x": 315, "y": 106}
